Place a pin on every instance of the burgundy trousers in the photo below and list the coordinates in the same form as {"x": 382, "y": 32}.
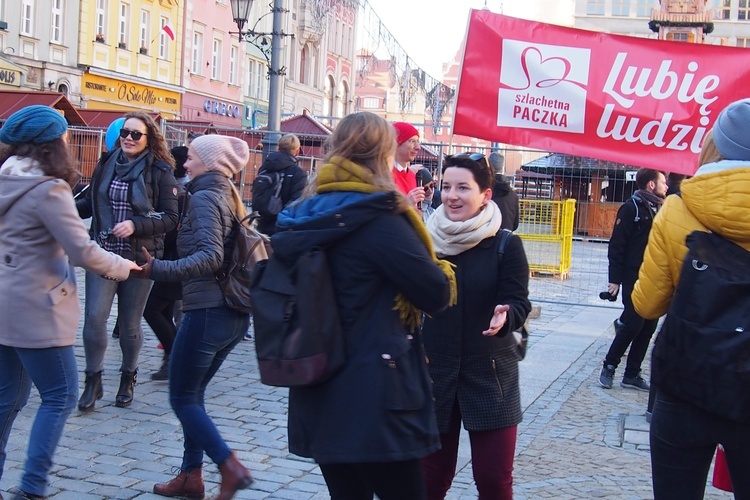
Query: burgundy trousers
{"x": 492, "y": 455}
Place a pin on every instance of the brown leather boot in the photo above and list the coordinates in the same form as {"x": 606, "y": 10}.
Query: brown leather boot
{"x": 186, "y": 484}
{"x": 234, "y": 476}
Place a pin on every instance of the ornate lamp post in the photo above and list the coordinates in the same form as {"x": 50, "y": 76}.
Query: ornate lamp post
{"x": 240, "y": 12}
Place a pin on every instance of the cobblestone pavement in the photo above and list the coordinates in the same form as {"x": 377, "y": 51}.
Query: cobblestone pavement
{"x": 577, "y": 440}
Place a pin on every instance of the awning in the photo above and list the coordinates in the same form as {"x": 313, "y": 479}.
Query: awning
{"x": 102, "y": 118}
{"x": 13, "y": 100}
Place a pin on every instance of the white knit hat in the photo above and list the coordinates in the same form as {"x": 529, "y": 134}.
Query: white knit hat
{"x": 222, "y": 153}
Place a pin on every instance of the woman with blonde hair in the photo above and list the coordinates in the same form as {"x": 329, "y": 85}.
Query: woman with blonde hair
{"x": 132, "y": 203}
{"x": 209, "y": 329}
{"x": 687, "y": 423}
{"x": 42, "y": 238}
{"x": 368, "y": 426}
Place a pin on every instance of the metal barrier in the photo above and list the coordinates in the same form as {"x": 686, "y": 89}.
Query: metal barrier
{"x": 546, "y": 229}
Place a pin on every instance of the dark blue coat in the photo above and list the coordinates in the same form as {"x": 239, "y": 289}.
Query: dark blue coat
{"x": 379, "y": 407}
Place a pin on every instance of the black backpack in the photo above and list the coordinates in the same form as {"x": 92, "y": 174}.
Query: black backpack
{"x": 267, "y": 193}
{"x": 702, "y": 353}
{"x": 523, "y": 333}
{"x": 299, "y": 340}
{"x": 248, "y": 248}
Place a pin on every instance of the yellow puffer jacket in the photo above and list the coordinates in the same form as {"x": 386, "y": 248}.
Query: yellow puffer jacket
{"x": 716, "y": 200}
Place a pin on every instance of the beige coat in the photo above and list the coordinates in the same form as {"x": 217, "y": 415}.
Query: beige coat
{"x": 41, "y": 239}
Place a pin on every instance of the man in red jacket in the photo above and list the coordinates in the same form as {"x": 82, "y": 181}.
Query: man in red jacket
{"x": 407, "y": 137}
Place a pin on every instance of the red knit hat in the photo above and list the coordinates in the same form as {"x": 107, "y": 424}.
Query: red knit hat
{"x": 404, "y": 132}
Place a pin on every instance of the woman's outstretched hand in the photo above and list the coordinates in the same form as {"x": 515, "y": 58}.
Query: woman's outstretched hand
{"x": 144, "y": 272}
{"x": 498, "y": 320}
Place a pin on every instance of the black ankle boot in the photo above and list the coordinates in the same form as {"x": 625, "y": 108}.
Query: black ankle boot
{"x": 163, "y": 372}
{"x": 91, "y": 392}
{"x": 125, "y": 392}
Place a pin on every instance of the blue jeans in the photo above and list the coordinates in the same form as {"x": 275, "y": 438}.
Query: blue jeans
{"x": 683, "y": 439}
{"x": 132, "y": 295}
{"x": 55, "y": 375}
{"x": 204, "y": 340}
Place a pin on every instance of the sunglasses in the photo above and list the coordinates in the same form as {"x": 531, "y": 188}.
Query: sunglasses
{"x": 124, "y": 133}
{"x": 473, "y": 157}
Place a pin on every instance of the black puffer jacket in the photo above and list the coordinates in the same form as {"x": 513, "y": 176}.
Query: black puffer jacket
{"x": 161, "y": 187}
{"x": 295, "y": 180}
{"x": 628, "y": 241}
{"x": 507, "y": 201}
{"x": 202, "y": 242}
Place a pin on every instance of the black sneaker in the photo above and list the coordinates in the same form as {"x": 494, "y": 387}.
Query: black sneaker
{"x": 606, "y": 376}
{"x": 636, "y": 382}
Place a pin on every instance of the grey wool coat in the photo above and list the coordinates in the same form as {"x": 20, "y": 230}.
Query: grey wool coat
{"x": 41, "y": 239}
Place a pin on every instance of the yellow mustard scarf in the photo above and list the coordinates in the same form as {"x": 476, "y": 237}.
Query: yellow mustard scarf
{"x": 343, "y": 175}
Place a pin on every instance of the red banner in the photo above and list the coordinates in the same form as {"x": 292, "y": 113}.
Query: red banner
{"x": 629, "y": 100}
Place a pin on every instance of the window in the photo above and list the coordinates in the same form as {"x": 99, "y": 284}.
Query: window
{"x": 101, "y": 16}
{"x": 124, "y": 24}
{"x": 595, "y": 7}
{"x": 343, "y": 104}
{"x": 163, "y": 39}
{"x": 233, "y": 65}
{"x": 643, "y": 8}
{"x": 56, "y": 35}
{"x": 678, "y": 37}
{"x": 216, "y": 59}
{"x": 195, "y": 65}
{"x": 27, "y": 17}
{"x": 143, "y": 32}
{"x": 250, "y": 90}
{"x": 370, "y": 103}
{"x": 621, "y": 8}
{"x": 743, "y": 42}
{"x": 743, "y": 11}
{"x": 261, "y": 83}
{"x": 722, "y": 8}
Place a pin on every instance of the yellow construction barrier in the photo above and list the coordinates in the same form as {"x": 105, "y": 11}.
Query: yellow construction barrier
{"x": 546, "y": 228}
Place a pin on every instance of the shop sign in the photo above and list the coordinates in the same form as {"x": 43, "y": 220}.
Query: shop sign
{"x": 221, "y": 108}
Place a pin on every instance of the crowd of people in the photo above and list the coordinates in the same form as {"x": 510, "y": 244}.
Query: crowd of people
{"x": 431, "y": 282}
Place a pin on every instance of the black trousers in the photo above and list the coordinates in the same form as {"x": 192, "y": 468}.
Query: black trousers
{"x": 635, "y": 332}
{"x": 387, "y": 480}
{"x": 159, "y": 314}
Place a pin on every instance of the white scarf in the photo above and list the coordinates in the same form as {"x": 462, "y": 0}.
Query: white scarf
{"x": 453, "y": 238}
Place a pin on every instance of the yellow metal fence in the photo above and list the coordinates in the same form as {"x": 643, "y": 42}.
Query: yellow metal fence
{"x": 546, "y": 228}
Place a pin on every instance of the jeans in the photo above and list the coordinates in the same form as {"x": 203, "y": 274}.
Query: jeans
{"x": 360, "y": 481}
{"x": 203, "y": 342}
{"x": 683, "y": 439}
{"x": 635, "y": 332}
{"x": 55, "y": 375}
{"x": 492, "y": 455}
{"x": 131, "y": 301}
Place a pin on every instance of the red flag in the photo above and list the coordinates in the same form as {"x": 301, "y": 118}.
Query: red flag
{"x": 628, "y": 100}
{"x": 167, "y": 28}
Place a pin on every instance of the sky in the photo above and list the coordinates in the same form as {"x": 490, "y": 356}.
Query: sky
{"x": 431, "y": 31}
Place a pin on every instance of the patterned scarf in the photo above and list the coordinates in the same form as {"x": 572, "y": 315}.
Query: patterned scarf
{"x": 343, "y": 175}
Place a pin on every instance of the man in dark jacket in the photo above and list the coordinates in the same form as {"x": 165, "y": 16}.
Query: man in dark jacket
{"x": 626, "y": 248}
{"x": 294, "y": 177}
{"x": 503, "y": 194}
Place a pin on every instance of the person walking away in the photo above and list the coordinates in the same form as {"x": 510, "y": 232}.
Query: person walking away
{"x": 472, "y": 350}
{"x": 41, "y": 239}
{"x": 626, "y": 247}
{"x": 368, "y": 425}
{"x": 282, "y": 163}
{"x": 684, "y": 436}
{"x": 209, "y": 329}
{"x": 162, "y": 301}
{"x": 132, "y": 203}
{"x": 503, "y": 194}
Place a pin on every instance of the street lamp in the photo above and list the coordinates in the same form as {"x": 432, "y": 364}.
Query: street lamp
{"x": 240, "y": 12}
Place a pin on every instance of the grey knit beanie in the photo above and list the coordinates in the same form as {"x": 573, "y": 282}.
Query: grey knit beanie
{"x": 730, "y": 131}
{"x": 221, "y": 153}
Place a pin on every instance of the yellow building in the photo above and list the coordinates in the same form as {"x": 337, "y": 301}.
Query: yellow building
{"x": 131, "y": 55}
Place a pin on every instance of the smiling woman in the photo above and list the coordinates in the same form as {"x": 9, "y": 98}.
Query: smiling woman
{"x": 132, "y": 203}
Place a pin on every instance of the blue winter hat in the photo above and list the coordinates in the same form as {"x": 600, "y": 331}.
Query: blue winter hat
{"x": 730, "y": 131}
{"x": 35, "y": 124}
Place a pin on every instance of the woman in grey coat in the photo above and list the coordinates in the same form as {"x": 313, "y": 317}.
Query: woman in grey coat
{"x": 41, "y": 239}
